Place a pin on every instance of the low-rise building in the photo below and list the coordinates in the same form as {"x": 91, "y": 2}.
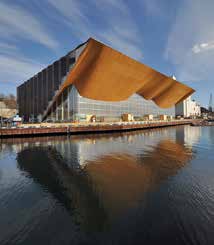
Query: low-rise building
{"x": 170, "y": 117}
{"x": 149, "y": 117}
{"x": 188, "y": 108}
{"x": 163, "y": 117}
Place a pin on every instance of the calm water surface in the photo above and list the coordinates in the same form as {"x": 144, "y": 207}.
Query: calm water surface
{"x": 144, "y": 187}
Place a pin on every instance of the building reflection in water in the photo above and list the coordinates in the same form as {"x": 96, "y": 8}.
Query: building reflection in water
{"x": 192, "y": 135}
{"x": 98, "y": 178}
{"x": 188, "y": 135}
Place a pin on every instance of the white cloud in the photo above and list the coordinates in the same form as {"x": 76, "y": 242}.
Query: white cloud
{"x": 204, "y": 45}
{"x": 7, "y": 46}
{"x": 68, "y": 8}
{"x": 109, "y": 5}
{"x": 8, "y": 49}
{"x": 16, "y": 22}
{"x": 197, "y": 48}
{"x": 17, "y": 68}
{"x": 70, "y": 12}
{"x": 115, "y": 25}
{"x": 121, "y": 44}
{"x": 190, "y": 38}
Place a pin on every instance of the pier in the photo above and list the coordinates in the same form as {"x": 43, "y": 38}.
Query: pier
{"x": 72, "y": 128}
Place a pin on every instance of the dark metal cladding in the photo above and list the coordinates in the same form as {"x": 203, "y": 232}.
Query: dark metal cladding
{"x": 56, "y": 75}
{"x": 45, "y": 89}
{"x": 39, "y": 84}
{"x": 35, "y": 94}
{"x": 63, "y": 66}
{"x": 50, "y": 79}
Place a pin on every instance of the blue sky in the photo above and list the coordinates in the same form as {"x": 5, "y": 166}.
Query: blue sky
{"x": 174, "y": 37}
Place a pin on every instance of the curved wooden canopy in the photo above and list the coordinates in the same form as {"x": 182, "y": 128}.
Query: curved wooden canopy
{"x": 102, "y": 73}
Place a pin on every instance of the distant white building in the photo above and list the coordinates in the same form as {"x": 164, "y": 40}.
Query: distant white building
{"x": 188, "y": 108}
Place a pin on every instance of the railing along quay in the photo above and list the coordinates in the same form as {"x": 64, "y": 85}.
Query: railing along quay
{"x": 57, "y": 129}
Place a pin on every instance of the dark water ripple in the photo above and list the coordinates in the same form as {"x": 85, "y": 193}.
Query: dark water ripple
{"x": 144, "y": 187}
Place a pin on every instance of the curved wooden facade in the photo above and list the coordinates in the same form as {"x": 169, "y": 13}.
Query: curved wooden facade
{"x": 102, "y": 73}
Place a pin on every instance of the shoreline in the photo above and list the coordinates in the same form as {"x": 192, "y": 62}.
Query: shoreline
{"x": 86, "y": 128}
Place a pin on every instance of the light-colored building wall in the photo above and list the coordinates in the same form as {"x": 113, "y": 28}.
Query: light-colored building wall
{"x": 188, "y": 108}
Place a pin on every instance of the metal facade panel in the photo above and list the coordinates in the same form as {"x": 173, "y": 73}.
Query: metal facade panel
{"x": 39, "y": 103}
{"x": 45, "y": 89}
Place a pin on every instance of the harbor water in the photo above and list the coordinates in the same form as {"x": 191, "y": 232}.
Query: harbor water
{"x": 142, "y": 187}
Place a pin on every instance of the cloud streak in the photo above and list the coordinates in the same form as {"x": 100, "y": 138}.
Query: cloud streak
{"x": 153, "y": 8}
{"x": 16, "y": 22}
{"x": 15, "y": 68}
{"x": 198, "y": 48}
{"x": 6, "y": 48}
{"x": 115, "y": 26}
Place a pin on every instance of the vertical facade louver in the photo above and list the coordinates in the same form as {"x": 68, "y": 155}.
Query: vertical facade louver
{"x": 35, "y": 95}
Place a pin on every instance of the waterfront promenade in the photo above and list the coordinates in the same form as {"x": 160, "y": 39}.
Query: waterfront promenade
{"x": 78, "y": 128}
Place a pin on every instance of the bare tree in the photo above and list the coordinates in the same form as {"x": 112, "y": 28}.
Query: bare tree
{"x": 9, "y": 100}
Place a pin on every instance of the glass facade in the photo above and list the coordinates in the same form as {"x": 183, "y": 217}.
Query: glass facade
{"x": 73, "y": 107}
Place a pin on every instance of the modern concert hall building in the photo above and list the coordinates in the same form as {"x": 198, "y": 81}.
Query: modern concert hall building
{"x": 96, "y": 80}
